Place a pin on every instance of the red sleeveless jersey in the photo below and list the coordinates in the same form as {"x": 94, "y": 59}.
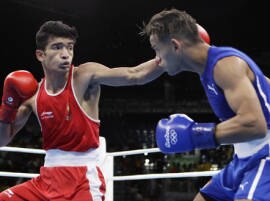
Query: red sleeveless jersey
{"x": 63, "y": 123}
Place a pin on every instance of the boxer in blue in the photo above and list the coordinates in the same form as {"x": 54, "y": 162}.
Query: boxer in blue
{"x": 239, "y": 95}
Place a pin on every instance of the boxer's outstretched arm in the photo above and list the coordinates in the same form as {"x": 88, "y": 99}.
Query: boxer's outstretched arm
{"x": 120, "y": 76}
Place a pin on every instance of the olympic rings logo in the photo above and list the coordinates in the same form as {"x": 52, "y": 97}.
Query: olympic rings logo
{"x": 171, "y": 137}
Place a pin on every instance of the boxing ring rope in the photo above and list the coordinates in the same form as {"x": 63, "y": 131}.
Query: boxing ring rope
{"x": 107, "y": 167}
{"x": 23, "y": 150}
{"x": 114, "y": 154}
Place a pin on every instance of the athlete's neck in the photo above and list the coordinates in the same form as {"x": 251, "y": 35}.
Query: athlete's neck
{"x": 55, "y": 81}
{"x": 196, "y": 58}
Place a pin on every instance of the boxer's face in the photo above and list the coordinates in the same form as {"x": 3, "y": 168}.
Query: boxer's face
{"x": 169, "y": 52}
{"x": 58, "y": 54}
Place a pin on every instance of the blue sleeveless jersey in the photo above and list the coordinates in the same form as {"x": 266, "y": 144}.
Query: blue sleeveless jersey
{"x": 216, "y": 96}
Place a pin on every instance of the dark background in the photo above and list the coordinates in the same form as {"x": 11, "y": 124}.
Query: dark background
{"x": 109, "y": 34}
{"x": 109, "y": 29}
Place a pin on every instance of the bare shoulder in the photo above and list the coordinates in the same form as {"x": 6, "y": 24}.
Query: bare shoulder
{"x": 88, "y": 72}
{"x": 29, "y": 105}
{"x": 84, "y": 77}
{"x": 88, "y": 67}
{"x": 230, "y": 69}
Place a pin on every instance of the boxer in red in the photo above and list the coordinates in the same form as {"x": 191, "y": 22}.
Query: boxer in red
{"x": 66, "y": 105}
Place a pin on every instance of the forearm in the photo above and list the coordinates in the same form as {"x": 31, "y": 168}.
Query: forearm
{"x": 147, "y": 71}
{"x": 240, "y": 129}
{"x": 9, "y": 130}
{"x": 5, "y": 134}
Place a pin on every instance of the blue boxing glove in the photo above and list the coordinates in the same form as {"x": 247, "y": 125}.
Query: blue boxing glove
{"x": 180, "y": 133}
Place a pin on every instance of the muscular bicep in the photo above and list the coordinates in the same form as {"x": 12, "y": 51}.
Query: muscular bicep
{"x": 120, "y": 76}
{"x": 95, "y": 73}
{"x": 233, "y": 77}
{"x": 242, "y": 97}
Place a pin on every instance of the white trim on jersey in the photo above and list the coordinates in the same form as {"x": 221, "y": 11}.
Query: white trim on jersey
{"x": 94, "y": 183}
{"x": 256, "y": 180}
{"x": 262, "y": 94}
{"x": 73, "y": 92}
{"x": 57, "y": 93}
{"x": 36, "y": 109}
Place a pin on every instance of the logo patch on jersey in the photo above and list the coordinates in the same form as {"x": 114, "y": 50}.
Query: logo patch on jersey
{"x": 212, "y": 88}
{"x": 9, "y": 193}
{"x": 47, "y": 115}
{"x": 242, "y": 186}
{"x": 68, "y": 113}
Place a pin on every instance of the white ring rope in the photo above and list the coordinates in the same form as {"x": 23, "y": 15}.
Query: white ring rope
{"x": 119, "y": 153}
{"x": 133, "y": 152}
{"x": 18, "y": 174}
{"x": 23, "y": 150}
{"x": 165, "y": 175}
{"x": 112, "y": 154}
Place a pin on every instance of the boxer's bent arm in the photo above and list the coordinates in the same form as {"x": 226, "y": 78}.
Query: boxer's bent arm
{"x": 120, "y": 76}
{"x": 8, "y": 131}
{"x": 231, "y": 74}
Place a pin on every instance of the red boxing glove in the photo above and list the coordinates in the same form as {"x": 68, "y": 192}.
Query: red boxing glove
{"x": 18, "y": 87}
{"x": 203, "y": 34}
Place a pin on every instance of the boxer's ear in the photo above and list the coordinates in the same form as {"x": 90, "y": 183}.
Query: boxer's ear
{"x": 176, "y": 44}
{"x": 40, "y": 55}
